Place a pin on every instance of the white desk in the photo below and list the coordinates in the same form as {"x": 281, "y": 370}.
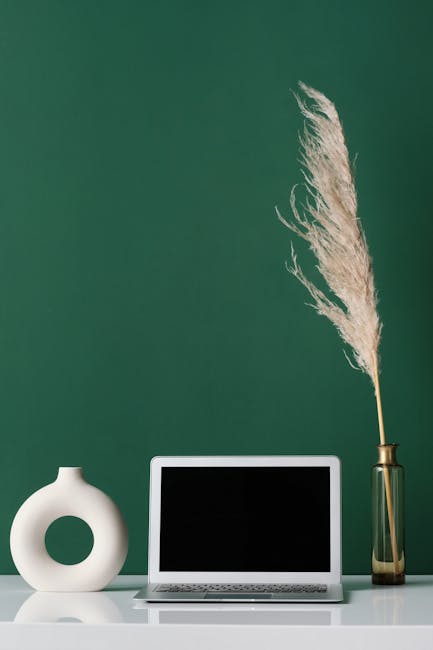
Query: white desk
{"x": 387, "y": 618}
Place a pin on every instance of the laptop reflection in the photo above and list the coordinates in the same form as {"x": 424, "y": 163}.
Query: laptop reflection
{"x": 230, "y": 614}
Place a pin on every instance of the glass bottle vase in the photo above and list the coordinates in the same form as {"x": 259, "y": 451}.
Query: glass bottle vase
{"x": 387, "y": 491}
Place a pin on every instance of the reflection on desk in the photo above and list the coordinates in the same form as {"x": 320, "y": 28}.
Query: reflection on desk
{"x": 370, "y": 617}
{"x": 100, "y": 607}
{"x": 230, "y": 614}
{"x": 411, "y": 604}
{"x": 48, "y": 607}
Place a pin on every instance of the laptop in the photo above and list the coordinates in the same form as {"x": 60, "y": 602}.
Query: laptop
{"x": 244, "y": 529}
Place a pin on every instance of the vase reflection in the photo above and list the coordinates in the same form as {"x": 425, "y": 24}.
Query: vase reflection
{"x": 51, "y": 607}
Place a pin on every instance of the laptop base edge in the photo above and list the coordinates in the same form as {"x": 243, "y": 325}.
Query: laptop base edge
{"x": 334, "y": 594}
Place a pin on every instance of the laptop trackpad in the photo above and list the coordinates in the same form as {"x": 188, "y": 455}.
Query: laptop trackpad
{"x": 226, "y": 596}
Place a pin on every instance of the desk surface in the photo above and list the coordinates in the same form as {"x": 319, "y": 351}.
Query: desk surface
{"x": 382, "y": 617}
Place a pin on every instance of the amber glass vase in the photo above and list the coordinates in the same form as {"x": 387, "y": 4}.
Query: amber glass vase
{"x": 387, "y": 491}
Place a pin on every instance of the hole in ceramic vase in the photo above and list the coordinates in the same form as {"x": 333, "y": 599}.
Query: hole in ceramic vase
{"x": 69, "y": 619}
{"x": 69, "y": 540}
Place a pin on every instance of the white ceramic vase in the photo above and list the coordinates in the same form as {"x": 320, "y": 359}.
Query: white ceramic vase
{"x": 69, "y": 496}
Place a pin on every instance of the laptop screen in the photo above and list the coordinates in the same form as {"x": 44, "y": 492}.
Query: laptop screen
{"x": 263, "y": 519}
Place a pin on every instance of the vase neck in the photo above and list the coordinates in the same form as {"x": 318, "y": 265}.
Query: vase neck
{"x": 387, "y": 454}
{"x": 70, "y": 474}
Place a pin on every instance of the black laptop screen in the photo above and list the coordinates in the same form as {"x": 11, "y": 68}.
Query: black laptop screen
{"x": 270, "y": 519}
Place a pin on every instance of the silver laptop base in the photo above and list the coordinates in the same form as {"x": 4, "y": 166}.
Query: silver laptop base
{"x": 242, "y": 593}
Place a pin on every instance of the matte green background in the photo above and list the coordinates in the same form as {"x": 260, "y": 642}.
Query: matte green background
{"x": 144, "y": 304}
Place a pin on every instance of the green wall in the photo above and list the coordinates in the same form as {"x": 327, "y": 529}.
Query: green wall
{"x": 144, "y": 304}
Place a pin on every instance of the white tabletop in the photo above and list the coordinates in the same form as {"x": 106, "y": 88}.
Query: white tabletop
{"x": 388, "y": 618}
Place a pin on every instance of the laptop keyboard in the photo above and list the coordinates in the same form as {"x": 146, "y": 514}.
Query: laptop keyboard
{"x": 243, "y": 588}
